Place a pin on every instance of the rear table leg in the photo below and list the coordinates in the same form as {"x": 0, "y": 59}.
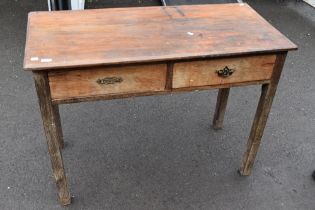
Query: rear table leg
{"x": 58, "y": 126}
{"x": 222, "y": 99}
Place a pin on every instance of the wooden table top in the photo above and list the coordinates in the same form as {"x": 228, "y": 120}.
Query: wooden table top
{"x": 65, "y": 39}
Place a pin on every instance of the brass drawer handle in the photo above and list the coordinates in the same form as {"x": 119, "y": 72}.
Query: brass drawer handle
{"x": 225, "y": 72}
{"x": 109, "y": 80}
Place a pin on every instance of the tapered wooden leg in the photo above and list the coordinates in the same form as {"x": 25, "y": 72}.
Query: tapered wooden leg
{"x": 51, "y": 122}
{"x": 58, "y": 126}
{"x": 263, "y": 109}
{"x": 222, "y": 99}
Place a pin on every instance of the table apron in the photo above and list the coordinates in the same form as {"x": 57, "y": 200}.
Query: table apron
{"x": 101, "y": 83}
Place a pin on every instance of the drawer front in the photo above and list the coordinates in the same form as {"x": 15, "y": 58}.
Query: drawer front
{"x": 106, "y": 80}
{"x": 205, "y": 73}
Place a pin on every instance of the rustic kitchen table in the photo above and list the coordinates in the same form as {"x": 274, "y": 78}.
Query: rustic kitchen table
{"x": 78, "y": 56}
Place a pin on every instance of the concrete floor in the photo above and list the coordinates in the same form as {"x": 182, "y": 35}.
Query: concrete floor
{"x": 160, "y": 152}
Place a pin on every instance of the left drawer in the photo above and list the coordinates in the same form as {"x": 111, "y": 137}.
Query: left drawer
{"x": 89, "y": 82}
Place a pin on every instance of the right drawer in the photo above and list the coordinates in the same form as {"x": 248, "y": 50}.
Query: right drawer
{"x": 223, "y": 71}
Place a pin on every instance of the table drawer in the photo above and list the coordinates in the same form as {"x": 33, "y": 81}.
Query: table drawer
{"x": 106, "y": 80}
{"x": 205, "y": 73}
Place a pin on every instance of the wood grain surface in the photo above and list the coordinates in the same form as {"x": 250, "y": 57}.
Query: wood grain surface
{"x": 203, "y": 73}
{"x": 136, "y": 35}
{"x": 83, "y": 83}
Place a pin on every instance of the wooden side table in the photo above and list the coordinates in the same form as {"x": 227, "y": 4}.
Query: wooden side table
{"x": 126, "y": 52}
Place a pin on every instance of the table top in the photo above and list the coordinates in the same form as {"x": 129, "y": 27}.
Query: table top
{"x": 65, "y": 39}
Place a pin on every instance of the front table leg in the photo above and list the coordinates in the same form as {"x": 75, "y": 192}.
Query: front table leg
{"x": 267, "y": 94}
{"x": 52, "y": 127}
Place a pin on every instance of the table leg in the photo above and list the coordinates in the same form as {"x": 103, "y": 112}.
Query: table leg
{"x": 58, "y": 126}
{"x": 222, "y": 99}
{"x": 51, "y": 122}
{"x": 261, "y": 116}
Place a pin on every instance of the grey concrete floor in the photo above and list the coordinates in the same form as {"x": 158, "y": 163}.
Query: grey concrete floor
{"x": 160, "y": 152}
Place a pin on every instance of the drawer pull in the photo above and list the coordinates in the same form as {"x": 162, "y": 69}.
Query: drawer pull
{"x": 225, "y": 72}
{"x": 109, "y": 80}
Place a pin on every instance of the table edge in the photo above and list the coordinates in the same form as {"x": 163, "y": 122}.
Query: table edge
{"x": 28, "y": 67}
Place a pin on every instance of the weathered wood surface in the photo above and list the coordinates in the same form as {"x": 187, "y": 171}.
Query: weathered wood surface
{"x": 136, "y": 35}
{"x": 220, "y": 108}
{"x": 51, "y": 125}
{"x": 115, "y": 53}
{"x": 82, "y": 83}
{"x": 203, "y": 73}
{"x": 261, "y": 116}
